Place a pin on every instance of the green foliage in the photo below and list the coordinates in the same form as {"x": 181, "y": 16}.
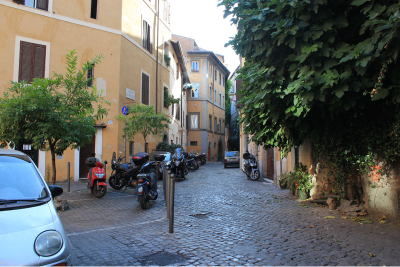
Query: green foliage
{"x": 169, "y": 99}
{"x": 321, "y": 70}
{"x": 228, "y": 86}
{"x": 166, "y": 147}
{"x": 167, "y": 59}
{"x": 300, "y": 176}
{"x": 60, "y": 111}
{"x": 143, "y": 119}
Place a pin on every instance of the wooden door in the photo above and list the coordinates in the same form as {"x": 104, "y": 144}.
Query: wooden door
{"x": 85, "y": 152}
{"x": 270, "y": 163}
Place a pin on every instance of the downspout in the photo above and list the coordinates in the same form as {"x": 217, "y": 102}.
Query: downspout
{"x": 158, "y": 26}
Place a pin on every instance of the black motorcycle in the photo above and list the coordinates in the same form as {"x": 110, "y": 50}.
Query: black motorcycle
{"x": 125, "y": 175}
{"x": 177, "y": 165}
{"x": 250, "y": 167}
{"x": 190, "y": 162}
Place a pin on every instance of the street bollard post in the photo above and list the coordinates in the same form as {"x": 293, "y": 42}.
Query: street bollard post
{"x": 171, "y": 202}
{"x": 68, "y": 175}
{"x": 167, "y": 192}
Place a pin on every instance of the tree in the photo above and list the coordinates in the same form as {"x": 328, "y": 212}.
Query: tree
{"x": 55, "y": 113}
{"x": 143, "y": 119}
{"x": 320, "y": 70}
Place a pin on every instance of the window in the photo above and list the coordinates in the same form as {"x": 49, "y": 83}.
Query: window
{"x": 223, "y": 81}
{"x": 147, "y": 37}
{"x": 223, "y": 101}
{"x": 195, "y": 66}
{"x": 210, "y": 70}
{"x": 215, "y": 145}
{"x": 220, "y": 79}
{"x": 183, "y": 119}
{"x": 210, "y": 121}
{"x": 131, "y": 148}
{"x": 39, "y": 4}
{"x": 177, "y": 141}
{"x": 220, "y": 99}
{"x": 145, "y": 89}
{"x": 210, "y": 93}
{"x": 215, "y": 95}
{"x": 195, "y": 90}
{"x": 177, "y": 71}
{"x": 90, "y": 76}
{"x": 32, "y": 61}
{"x": 215, "y": 124}
{"x": 219, "y": 126}
{"x": 178, "y": 115}
{"x": 215, "y": 74}
{"x": 194, "y": 121}
{"x": 193, "y": 143}
{"x": 93, "y": 10}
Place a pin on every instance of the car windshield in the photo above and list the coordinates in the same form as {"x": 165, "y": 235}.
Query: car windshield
{"x": 20, "y": 180}
{"x": 232, "y": 154}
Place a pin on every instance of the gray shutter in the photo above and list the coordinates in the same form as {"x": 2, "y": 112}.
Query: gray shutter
{"x": 25, "y": 62}
{"x": 20, "y": 2}
{"x": 39, "y": 62}
{"x": 43, "y": 4}
{"x": 150, "y": 39}
{"x": 145, "y": 89}
{"x": 144, "y": 34}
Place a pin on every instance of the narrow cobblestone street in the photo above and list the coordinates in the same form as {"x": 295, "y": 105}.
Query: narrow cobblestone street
{"x": 221, "y": 218}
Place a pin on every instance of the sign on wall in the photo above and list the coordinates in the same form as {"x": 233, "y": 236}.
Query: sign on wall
{"x": 130, "y": 94}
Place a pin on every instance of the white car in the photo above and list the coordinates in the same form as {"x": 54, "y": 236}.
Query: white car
{"x": 31, "y": 232}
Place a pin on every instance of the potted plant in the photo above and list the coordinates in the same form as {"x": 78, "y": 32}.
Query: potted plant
{"x": 304, "y": 183}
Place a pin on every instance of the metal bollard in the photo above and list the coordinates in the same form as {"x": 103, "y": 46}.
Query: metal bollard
{"x": 171, "y": 202}
{"x": 68, "y": 175}
{"x": 167, "y": 192}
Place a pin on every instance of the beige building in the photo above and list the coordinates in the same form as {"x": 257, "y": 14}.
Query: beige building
{"x": 206, "y": 99}
{"x": 131, "y": 36}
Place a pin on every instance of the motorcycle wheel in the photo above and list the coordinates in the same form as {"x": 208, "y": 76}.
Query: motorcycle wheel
{"x": 255, "y": 175}
{"x": 143, "y": 201}
{"x": 196, "y": 165}
{"x": 203, "y": 161}
{"x": 99, "y": 191}
{"x": 186, "y": 171}
{"x": 115, "y": 183}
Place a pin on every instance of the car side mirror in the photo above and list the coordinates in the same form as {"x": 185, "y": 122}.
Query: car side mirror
{"x": 55, "y": 190}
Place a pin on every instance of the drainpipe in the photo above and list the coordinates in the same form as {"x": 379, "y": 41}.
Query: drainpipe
{"x": 158, "y": 26}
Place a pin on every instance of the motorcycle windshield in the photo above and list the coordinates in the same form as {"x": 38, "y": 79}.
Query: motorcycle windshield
{"x": 178, "y": 152}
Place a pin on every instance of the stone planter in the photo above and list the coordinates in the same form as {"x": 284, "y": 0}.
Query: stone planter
{"x": 303, "y": 194}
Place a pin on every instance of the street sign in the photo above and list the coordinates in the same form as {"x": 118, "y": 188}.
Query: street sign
{"x": 124, "y": 110}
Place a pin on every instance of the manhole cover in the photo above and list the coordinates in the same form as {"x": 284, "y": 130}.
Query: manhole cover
{"x": 162, "y": 259}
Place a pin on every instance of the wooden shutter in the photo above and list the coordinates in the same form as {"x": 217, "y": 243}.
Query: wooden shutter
{"x": 145, "y": 89}
{"x": 39, "y": 61}
{"x": 32, "y": 61}
{"x": 20, "y": 2}
{"x": 173, "y": 107}
{"x": 25, "y": 62}
{"x": 178, "y": 111}
{"x": 42, "y": 4}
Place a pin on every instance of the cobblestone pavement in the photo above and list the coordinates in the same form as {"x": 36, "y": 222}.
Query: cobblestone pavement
{"x": 221, "y": 218}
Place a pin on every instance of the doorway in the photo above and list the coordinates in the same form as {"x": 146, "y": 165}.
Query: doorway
{"x": 85, "y": 152}
{"x": 270, "y": 163}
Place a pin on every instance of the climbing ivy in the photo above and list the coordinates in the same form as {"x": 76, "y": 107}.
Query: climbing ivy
{"x": 321, "y": 70}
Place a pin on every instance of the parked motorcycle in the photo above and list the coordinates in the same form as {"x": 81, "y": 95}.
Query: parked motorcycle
{"x": 96, "y": 181}
{"x": 250, "y": 167}
{"x": 125, "y": 175}
{"x": 190, "y": 162}
{"x": 203, "y": 158}
{"x": 177, "y": 165}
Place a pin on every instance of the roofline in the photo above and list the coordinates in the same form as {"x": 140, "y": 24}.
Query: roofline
{"x": 214, "y": 56}
{"x": 178, "y": 50}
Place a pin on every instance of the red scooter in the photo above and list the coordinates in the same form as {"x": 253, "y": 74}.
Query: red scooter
{"x": 96, "y": 181}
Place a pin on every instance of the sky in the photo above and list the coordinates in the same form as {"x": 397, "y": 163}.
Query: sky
{"x": 204, "y": 22}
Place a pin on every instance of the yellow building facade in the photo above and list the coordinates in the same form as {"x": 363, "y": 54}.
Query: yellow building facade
{"x": 128, "y": 33}
{"x": 206, "y": 99}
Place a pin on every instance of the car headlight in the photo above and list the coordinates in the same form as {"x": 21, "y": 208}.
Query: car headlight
{"x": 48, "y": 243}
